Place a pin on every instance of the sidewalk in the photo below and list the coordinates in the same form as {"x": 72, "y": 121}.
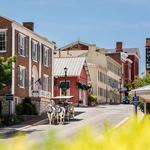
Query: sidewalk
{"x": 12, "y": 130}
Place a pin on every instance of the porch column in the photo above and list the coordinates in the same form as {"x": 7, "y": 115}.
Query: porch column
{"x": 145, "y": 108}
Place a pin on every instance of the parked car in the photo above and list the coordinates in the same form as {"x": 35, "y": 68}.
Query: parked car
{"x": 126, "y": 100}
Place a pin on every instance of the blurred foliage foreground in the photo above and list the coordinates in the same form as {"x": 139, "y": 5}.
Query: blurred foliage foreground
{"x": 134, "y": 135}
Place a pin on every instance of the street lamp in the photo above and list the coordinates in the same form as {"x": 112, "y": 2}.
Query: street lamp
{"x": 65, "y": 70}
{"x": 120, "y": 81}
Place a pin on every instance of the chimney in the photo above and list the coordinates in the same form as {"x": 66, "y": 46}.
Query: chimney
{"x": 119, "y": 47}
{"x": 147, "y": 42}
{"x": 29, "y": 25}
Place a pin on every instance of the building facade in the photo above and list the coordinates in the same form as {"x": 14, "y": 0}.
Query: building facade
{"x": 76, "y": 80}
{"x": 32, "y": 74}
{"x": 147, "y": 56}
{"x": 114, "y": 85}
{"x": 129, "y": 58}
{"x": 96, "y": 61}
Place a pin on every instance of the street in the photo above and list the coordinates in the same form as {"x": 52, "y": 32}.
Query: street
{"x": 93, "y": 117}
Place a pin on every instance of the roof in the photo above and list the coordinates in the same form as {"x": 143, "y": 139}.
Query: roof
{"x": 74, "y": 65}
{"x": 13, "y": 21}
{"x": 74, "y": 43}
{"x": 127, "y": 50}
{"x": 70, "y": 53}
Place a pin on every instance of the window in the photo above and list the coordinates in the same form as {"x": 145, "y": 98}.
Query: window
{"x": 45, "y": 56}
{"x": 21, "y": 44}
{"x": 21, "y": 76}
{"x": 46, "y": 83}
{"x": 34, "y": 51}
{"x": 64, "y": 87}
{"x": 2, "y": 40}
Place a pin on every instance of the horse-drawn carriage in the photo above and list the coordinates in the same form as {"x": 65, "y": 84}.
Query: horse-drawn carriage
{"x": 60, "y": 109}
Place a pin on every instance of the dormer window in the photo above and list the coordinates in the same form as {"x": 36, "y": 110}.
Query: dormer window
{"x": 2, "y": 40}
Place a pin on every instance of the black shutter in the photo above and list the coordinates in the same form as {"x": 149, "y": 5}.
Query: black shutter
{"x": 49, "y": 84}
{"x": 38, "y": 52}
{"x": 18, "y": 75}
{"x": 18, "y": 43}
{"x": 26, "y": 78}
{"x": 26, "y": 47}
{"x": 42, "y": 51}
{"x": 31, "y": 49}
{"x": 50, "y": 57}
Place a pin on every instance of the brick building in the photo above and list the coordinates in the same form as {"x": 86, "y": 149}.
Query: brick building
{"x": 77, "y": 79}
{"x": 129, "y": 58}
{"x": 32, "y": 71}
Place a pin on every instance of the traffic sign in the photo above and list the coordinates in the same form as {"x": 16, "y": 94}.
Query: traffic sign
{"x": 9, "y": 97}
{"x": 135, "y": 100}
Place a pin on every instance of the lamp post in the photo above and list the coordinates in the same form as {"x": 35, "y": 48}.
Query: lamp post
{"x": 65, "y": 70}
{"x": 120, "y": 81}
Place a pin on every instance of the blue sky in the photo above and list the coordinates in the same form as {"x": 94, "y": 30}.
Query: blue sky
{"x": 102, "y": 22}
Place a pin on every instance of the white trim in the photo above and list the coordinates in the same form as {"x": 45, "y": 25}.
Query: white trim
{"x": 32, "y": 34}
{"x": 13, "y": 64}
{"x": 3, "y": 51}
{"x": 22, "y": 67}
{"x": 52, "y": 74}
{"x": 45, "y": 75}
{"x": 30, "y": 59}
{"x": 40, "y": 62}
{"x": 1, "y": 30}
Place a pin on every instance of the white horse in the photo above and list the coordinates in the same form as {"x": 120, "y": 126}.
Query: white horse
{"x": 51, "y": 113}
{"x": 60, "y": 114}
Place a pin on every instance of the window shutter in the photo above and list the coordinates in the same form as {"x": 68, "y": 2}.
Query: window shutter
{"x": 31, "y": 49}
{"x": 42, "y": 51}
{"x": 26, "y": 78}
{"x": 18, "y": 76}
{"x": 49, "y": 84}
{"x": 48, "y": 57}
{"x": 18, "y": 48}
{"x": 38, "y": 52}
{"x": 26, "y": 46}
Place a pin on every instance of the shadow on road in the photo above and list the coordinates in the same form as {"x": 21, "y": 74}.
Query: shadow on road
{"x": 16, "y": 133}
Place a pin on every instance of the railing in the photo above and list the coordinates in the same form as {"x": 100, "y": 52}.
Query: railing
{"x": 41, "y": 93}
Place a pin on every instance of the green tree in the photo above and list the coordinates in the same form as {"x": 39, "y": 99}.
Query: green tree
{"x": 140, "y": 82}
{"x": 5, "y": 71}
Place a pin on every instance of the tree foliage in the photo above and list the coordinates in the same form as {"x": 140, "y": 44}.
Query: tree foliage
{"x": 139, "y": 82}
{"x": 5, "y": 71}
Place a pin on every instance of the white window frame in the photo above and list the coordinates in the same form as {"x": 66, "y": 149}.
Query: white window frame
{"x": 24, "y": 74}
{"x": 46, "y": 63}
{"x": 35, "y": 48}
{"x": 45, "y": 85}
{"x": 22, "y": 44}
{"x": 5, "y": 31}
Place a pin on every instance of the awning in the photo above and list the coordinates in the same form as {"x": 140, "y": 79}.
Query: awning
{"x": 64, "y": 85}
{"x": 142, "y": 92}
{"x": 83, "y": 86}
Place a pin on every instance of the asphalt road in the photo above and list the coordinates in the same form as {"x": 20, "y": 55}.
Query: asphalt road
{"x": 93, "y": 117}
